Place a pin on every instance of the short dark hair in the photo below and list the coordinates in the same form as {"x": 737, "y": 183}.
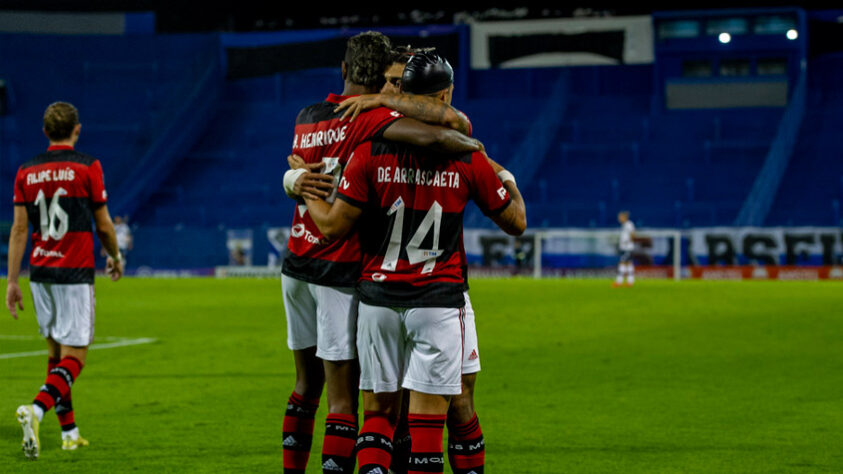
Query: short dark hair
{"x": 367, "y": 56}
{"x": 60, "y": 119}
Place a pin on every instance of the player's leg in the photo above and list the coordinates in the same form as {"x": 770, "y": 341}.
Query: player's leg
{"x": 621, "y": 271}
{"x": 434, "y": 376}
{"x": 300, "y": 310}
{"x": 64, "y": 408}
{"x": 381, "y": 349}
{"x": 466, "y": 446}
{"x": 336, "y": 346}
{"x": 28, "y": 415}
{"x": 341, "y": 425}
{"x": 630, "y": 273}
{"x": 74, "y": 330}
{"x": 402, "y": 443}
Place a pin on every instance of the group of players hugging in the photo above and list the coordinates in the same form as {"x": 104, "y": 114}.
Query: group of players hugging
{"x": 374, "y": 281}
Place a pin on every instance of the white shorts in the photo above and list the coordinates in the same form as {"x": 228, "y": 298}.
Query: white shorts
{"x": 471, "y": 353}
{"x": 65, "y": 313}
{"x": 320, "y": 316}
{"x": 415, "y": 348}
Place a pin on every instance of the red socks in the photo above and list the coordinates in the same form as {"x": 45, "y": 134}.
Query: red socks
{"x": 298, "y": 432}
{"x": 374, "y": 444}
{"x": 426, "y": 453}
{"x": 64, "y": 407}
{"x": 466, "y": 447}
{"x": 338, "y": 446}
{"x": 58, "y": 383}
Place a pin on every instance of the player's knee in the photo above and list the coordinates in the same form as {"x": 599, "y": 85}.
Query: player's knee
{"x": 462, "y": 406}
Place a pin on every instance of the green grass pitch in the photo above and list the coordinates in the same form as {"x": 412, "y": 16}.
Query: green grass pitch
{"x": 577, "y": 377}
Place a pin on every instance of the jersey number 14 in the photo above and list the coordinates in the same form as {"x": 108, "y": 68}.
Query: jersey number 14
{"x": 415, "y": 254}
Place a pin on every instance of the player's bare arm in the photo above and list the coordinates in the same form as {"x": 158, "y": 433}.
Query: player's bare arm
{"x": 441, "y": 139}
{"x": 425, "y": 108}
{"x": 108, "y": 238}
{"x": 513, "y": 219}
{"x": 334, "y": 221}
{"x": 17, "y": 247}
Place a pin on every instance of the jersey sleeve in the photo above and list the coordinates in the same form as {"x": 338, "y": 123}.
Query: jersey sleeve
{"x": 354, "y": 185}
{"x": 19, "y": 198}
{"x": 487, "y": 190}
{"x": 376, "y": 121}
{"x": 98, "y": 195}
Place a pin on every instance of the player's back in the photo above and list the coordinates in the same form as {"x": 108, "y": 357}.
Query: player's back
{"x": 411, "y": 230}
{"x": 61, "y": 189}
{"x": 320, "y": 136}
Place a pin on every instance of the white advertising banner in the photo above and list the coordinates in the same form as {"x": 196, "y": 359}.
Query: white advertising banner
{"x": 562, "y": 42}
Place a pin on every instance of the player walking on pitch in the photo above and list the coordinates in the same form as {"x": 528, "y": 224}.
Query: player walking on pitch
{"x": 411, "y": 298}
{"x": 626, "y": 245}
{"x": 60, "y": 192}
{"x": 318, "y": 274}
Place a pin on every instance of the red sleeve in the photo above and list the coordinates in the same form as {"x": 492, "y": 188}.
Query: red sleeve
{"x": 376, "y": 121}
{"x": 354, "y": 185}
{"x": 487, "y": 190}
{"x": 19, "y": 199}
{"x": 97, "y": 183}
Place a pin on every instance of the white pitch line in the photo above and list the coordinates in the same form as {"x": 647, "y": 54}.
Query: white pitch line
{"x": 10, "y": 337}
{"x": 108, "y": 345}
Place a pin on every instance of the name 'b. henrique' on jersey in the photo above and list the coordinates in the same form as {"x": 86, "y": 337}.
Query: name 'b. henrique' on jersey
{"x": 320, "y": 136}
{"x": 411, "y": 227}
{"x": 61, "y": 189}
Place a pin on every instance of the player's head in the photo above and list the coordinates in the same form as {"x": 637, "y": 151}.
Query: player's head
{"x": 428, "y": 73}
{"x": 623, "y": 216}
{"x": 366, "y": 58}
{"x": 61, "y": 122}
{"x": 397, "y": 61}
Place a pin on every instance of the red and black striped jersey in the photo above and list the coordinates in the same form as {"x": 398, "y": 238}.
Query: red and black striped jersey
{"x": 61, "y": 189}
{"x": 320, "y": 136}
{"x": 411, "y": 227}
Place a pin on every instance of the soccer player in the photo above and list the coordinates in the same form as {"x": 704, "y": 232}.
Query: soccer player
{"x": 625, "y": 246}
{"x": 318, "y": 274}
{"x": 125, "y": 242}
{"x": 466, "y": 446}
{"x": 410, "y": 204}
{"x": 60, "y": 192}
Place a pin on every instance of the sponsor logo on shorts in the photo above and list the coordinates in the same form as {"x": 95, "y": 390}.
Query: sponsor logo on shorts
{"x": 473, "y": 355}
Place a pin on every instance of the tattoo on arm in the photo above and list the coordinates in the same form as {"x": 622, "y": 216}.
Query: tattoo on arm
{"x": 428, "y": 109}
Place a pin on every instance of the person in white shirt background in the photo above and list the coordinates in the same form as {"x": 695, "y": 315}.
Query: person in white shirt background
{"x": 626, "y": 269}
